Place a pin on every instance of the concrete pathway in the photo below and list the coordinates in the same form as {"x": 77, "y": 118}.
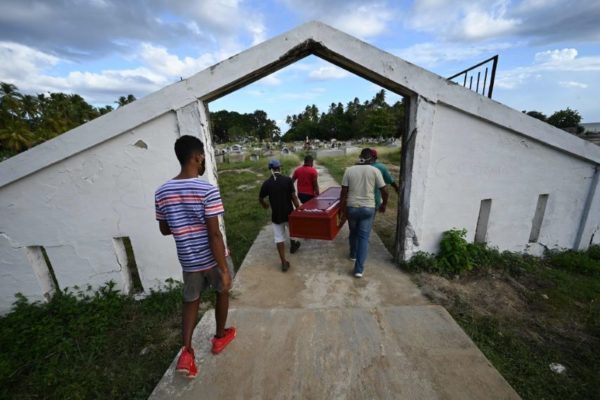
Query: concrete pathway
{"x": 316, "y": 332}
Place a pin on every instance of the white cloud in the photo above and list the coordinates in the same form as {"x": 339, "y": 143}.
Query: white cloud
{"x": 556, "y": 56}
{"x": 328, "y": 72}
{"x": 356, "y": 17}
{"x": 94, "y": 28}
{"x": 270, "y": 80}
{"x": 31, "y": 71}
{"x": 462, "y": 19}
{"x": 559, "y": 60}
{"x": 542, "y": 21}
{"x": 20, "y": 62}
{"x": 431, "y": 54}
{"x": 573, "y": 84}
{"x": 478, "y": 24}
{"x": 162, "y": 62}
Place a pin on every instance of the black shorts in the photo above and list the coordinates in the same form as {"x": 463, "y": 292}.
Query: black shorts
{"x": 303, "y": 197}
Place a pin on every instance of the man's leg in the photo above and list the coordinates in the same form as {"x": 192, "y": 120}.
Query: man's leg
{"x": 221, "y": 310}
{"x": 223, "y": 336}
{"x": 352, "y": 224}
{"x": 279, "y": 234}
{"x": 281, "y": 251}
{"x": 363, "y": 231}
{"x": 190, "y": 315}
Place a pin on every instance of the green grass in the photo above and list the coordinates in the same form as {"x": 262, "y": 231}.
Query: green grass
{"x": 564, "y": 328}
{"x": 559, "y": 323}
{"x": 89, "y": 345}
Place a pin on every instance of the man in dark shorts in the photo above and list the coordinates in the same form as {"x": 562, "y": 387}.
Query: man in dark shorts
{"x": 189, "y": 209}
{"x": 282, "y": 198}
{"x": 306, "y": 175}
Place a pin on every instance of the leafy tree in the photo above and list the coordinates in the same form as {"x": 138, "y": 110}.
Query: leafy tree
{"x": 537, "y": 115}
{"x": 125, "y": 100}
{"x": 27, "y": 120}
{"x": 372, "y": 118}
{"x": 565, "y": 119}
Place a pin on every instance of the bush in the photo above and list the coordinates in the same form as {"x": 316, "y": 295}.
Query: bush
{"x": 575, "y": 261}
{"x": 454, "y": 256}
{"x": 594, "y": 252}
{"x": 457, "y": 256}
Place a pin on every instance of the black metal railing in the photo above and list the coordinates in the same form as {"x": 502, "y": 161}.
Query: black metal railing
{"x": 487, "y": 82}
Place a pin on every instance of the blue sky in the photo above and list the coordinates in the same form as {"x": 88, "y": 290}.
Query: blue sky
{"x": 102, "y": 49}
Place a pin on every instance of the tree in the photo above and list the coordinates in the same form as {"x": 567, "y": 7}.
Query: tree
{"x": 125, "y": 100}
{"x": 537, "y": 115}
{"x": 27, "y": 120}
{"x": 372, "y": 118}
{"x": 566, "y": 119}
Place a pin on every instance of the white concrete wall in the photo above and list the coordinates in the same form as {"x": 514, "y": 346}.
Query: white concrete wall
{"x": 76, "y": 207}
{"x": 470, "y": 159}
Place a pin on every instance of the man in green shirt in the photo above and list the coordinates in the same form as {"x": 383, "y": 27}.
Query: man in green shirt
{"x": 387, "y": 178}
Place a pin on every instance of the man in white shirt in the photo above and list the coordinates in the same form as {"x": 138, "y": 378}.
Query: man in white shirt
{"x": 357, "y": 203}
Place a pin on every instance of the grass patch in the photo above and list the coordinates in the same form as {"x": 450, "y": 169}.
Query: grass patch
{"x": 556, "y": 318}
{"x": 84, "y": 345}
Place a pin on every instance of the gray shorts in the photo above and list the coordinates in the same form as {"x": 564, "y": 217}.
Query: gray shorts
{"x": 195, "y": 283}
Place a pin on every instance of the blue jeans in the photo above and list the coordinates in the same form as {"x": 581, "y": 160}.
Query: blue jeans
{"x": 360, "y": 222}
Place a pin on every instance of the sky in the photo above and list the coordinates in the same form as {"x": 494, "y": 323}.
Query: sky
{"x": 549, "y": 50}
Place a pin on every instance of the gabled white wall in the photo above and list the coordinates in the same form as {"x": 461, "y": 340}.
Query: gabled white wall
{"x": 471, "y": 159}
{"x": 76, "y": 207}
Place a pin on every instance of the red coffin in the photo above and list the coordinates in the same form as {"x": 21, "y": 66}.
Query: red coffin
{"x": 318, "y": 218}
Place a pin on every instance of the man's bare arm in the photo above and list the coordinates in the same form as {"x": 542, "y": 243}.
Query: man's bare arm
{"x": 217, "y": 247}
{"x": 263, "y": 203}
{"x": 384, "y": 199}
{"x": 316, "y": 186}
{"x": 164, "y": 228}
{"x": 343, "y": 201}
{"x": 295, "y": 200}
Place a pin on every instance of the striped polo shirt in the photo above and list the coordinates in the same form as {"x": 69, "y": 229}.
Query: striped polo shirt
{"x": 185, "y": 204}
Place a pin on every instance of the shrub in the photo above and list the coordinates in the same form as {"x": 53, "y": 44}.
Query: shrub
{"x": 420, "y": 261}
{"x": 574, "y": 261}
{"x": 453, "y": 257}
{"x": 594, "y": 252}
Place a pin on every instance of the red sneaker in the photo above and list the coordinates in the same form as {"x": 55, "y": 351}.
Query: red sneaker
{"x": 186, "y": 363}
{"x": 220, "y": 343}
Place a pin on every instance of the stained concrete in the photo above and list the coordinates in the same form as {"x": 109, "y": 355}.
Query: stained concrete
{"x": 316, "y": 332}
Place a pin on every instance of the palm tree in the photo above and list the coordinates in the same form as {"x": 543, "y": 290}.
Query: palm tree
{"x": 125, "y": 100}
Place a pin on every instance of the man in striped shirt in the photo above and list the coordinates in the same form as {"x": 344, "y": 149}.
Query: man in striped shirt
{"x": 189, "y": 209}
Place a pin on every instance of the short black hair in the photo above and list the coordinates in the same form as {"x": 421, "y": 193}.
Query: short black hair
{"x": 366, "y": 154}
{"x": 308, "y": 159}
{"x": 186, "y": 146}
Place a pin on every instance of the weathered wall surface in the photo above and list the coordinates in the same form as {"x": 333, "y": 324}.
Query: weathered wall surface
{"x": 470, "y": 160}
